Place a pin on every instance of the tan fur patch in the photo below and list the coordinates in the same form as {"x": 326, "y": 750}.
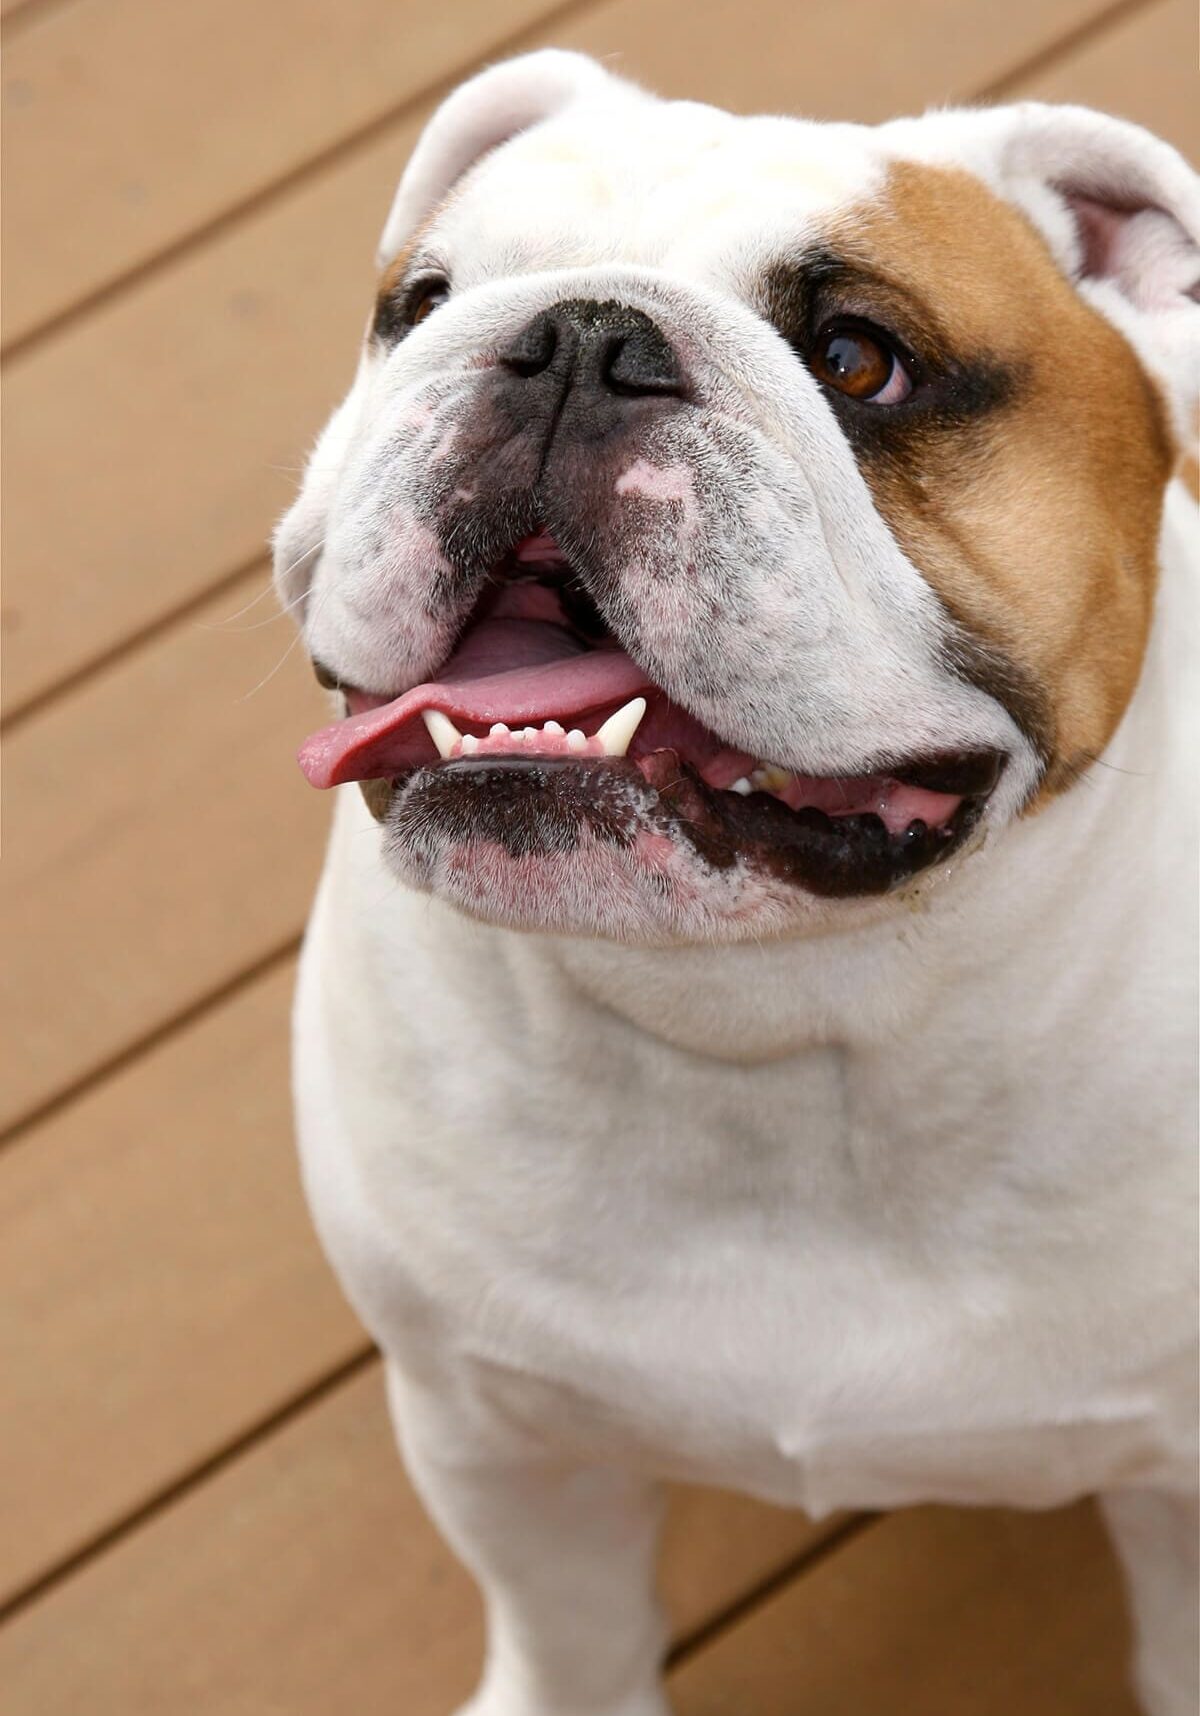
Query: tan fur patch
{"x": 392, "y": 277}
{"x": 1038, "y": 523}
{"x": 397, "y": 268}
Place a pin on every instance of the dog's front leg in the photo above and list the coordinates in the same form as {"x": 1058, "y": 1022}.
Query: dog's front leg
{"x": 1156, "y": 1538}
{"x": 564, "y": 1555}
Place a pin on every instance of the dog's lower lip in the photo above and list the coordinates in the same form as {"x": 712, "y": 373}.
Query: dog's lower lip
{"x": 832, "y": 856}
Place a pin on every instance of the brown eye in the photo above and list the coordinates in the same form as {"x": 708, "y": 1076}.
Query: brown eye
{"x": 859, "y": 364}
{"x": 429, "y": 297}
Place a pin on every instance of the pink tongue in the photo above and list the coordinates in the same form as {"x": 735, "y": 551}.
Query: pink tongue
{"x": 518, "y": 671}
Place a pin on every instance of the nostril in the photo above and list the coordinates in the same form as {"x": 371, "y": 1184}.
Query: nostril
{"x": 641, "y": 361}
{"x": 533, "y": 349}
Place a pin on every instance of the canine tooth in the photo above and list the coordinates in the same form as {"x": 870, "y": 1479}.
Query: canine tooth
{"x": 768, "y": 777}
{"x": 499, "y": 731}
{"x": 441, "y": 730}
{"x": 469, "y": 743}
{"x": 619, "y": 729}
{"x": 552, "y": 727}
{"x": 576, "y": 739}
{"x": 743, "y": 786}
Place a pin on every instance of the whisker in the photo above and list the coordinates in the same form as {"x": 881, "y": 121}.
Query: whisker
{"x": 268, "y": 677}
{"x": 284, "y": 609}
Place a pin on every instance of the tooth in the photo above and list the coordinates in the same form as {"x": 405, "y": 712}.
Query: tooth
{"x": 442, "y": 731}
{"x": 576, "y": 740}
{"x": 499, "y": 731}
{"x": 619, "y": 729}
{"x": 743, "y": 786}
{"x": 552, "y": 727}
{"x": 469, "y": 743}
{"x": 529, "y": 735}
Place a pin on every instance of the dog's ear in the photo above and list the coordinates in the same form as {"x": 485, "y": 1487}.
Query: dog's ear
{"x": 481, "y": 114}
{"x": 1119, "y": 208}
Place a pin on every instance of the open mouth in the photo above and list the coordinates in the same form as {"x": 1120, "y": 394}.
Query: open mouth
{"x": 538, "y": 698}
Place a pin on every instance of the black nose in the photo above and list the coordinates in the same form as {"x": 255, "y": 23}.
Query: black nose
{"x": 606, "y": 347}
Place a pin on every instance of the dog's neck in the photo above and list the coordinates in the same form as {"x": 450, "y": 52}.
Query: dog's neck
{"x": 1084, "y": 873}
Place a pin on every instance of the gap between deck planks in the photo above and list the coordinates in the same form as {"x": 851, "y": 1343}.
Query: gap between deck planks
{"x": 160, "y": 733}
{"x": 213, "y": 340}
{"x": 33, "y": 1140}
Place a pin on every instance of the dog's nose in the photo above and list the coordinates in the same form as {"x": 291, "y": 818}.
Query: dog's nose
{"x": 608, "y": 347}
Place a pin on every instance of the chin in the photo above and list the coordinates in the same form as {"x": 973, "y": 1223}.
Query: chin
{"x": 644, "y": 851}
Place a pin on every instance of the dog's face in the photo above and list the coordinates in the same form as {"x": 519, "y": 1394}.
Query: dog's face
{"x": 733, "y": 518}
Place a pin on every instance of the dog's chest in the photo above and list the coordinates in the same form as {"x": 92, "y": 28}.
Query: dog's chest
{"x": 753, "y": 1279}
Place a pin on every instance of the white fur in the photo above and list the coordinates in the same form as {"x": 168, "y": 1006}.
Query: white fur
{"x": 900, "y": 1208}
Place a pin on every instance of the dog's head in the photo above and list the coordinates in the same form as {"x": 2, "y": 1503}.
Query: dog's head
{"x": 735, "y": 517}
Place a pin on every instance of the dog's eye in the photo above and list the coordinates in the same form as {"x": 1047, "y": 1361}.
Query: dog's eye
{"x": 428, "y": 296}
{"x": 862, "y": 363}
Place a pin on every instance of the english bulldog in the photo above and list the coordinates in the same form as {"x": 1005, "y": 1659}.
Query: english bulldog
{"x": 745, "y": 1033}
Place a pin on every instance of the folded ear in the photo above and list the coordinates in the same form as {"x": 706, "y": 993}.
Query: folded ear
{"x": 481, "y": 114}
{"x": 1119, "y": 208}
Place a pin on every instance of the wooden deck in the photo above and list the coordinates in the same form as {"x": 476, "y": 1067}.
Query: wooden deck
{"x": 200, "y": 1510}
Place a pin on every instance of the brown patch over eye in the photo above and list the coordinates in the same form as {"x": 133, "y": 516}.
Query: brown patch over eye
{"x": 1025, "y": 482}
{"x": 850, "y": 360}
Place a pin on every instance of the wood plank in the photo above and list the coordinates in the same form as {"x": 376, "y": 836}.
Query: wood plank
{"x": 305, "y": 1578}
{"x": 159, "y": 838}
{"x": 1145, "y": 69}
{"x": 155, "y": 1229}
{"x": 933, "y": 1612}
{"x": 220, "y": 367}
{"x": 128, "y": 125}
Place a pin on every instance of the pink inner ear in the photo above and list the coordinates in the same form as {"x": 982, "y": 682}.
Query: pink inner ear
{"x": 1100, "y": 229}
{"x": 1139, "y": 247}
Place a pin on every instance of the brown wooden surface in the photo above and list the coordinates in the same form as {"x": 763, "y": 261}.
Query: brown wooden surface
{"x": 933, "y": 1613}
{"x": 154, "y": 1231}
{"x": 160, "y": 839}
{"x": 198, "y": 1490}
